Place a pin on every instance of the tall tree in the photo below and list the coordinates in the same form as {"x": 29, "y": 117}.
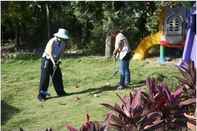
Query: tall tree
{"x": 31, "y": 23}
{"x": 47, "y": 19}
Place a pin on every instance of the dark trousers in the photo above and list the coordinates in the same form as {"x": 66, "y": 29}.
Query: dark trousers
{"x": 47, "y": 71}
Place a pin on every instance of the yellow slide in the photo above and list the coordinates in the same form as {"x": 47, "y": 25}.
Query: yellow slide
{"x": 146, "y": 44}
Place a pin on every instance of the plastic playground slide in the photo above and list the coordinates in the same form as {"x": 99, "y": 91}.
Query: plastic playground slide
{"x": 146, "y": 44}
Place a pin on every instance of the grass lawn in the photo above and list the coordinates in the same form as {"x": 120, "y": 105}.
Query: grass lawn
{"x": 82, "y": 76}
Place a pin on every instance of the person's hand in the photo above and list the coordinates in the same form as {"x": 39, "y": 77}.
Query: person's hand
{"x": 58, "y": 63}
{"x": 54, "y": 66}
{"x": 114, "y": 54}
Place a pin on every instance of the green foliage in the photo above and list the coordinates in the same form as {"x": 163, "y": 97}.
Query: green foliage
{"x": 87, "y": 22}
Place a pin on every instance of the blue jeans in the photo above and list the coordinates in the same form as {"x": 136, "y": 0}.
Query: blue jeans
{"x": 124, "y": 72}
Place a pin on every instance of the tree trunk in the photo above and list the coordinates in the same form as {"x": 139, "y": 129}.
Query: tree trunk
{"x": 108, "y": 46}
{"x": 47, "y": 20}
{"x": 17, "y": 42}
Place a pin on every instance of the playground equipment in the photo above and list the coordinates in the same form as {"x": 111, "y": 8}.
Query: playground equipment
{"x": 174, "y": 29}
{"x": 190, "y": 48}
{"x": 146, "y": 44}
{"x": 172, "y": 33}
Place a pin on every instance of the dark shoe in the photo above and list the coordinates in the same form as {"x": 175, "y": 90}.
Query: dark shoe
{"x": 126, "y": 86}
{"x": 120, "y": 87}
{"x": 127, "y": 83}
{"x": 41, "y": 98}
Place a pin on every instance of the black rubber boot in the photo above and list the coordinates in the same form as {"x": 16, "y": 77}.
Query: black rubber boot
{"x": 41, "y": 98}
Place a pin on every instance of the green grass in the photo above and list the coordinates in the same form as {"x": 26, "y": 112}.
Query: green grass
{"x": 20, "y": 81}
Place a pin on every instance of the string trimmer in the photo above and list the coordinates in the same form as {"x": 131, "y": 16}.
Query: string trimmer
{"x": 115, "y": 71}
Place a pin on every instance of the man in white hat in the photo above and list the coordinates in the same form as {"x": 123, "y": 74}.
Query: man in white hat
{"x": 50, "y": 64}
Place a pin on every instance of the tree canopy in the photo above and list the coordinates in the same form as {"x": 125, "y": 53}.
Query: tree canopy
{"x": 29, "y": 24}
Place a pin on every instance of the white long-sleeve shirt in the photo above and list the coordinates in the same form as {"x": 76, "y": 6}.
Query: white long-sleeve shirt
{"x": 122, "y": 44}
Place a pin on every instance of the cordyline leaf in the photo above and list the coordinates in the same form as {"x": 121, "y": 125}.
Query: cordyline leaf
{"x": 103, "y": 128}
{"x": 148, "y": 103}
{"x": 171, "y": 97}
{"x": 159, "y": 101}
{"x": 187, "y": 102}
{"x": 87, "y": 117}
{"x": 191, "y": 119}
{"x": 95, "y": 126}
{"x": 88, "y": 126}
{"x": 183, "y": 67}
{"x": 146, "y": 99}
{"x": 189, "y": 74}
{"x": 142, "y": 119}
{"x": 117, "y": 120}
{"x": 83, "y": 128}
{"x": 193, "y": 72}
{"x": 150, "y": 119}
{"x": 151, "y": 83}
{"x": 166, "y": 92}
{"x": 131, "y": 97}
{"x": 127, "y": 108}
{"x": 125, "y": 105}
{"x": 159, "y": 92}
{"x": 108, "y": 116}
{"x": 71, "y": 128}
{"x": 108, "y": 106}
{"x": 186, "y": 75}
{"x": 122, "y": 100}
{"x": 120, "y": 111}
{"x": 117, "y": 109}
{"x": 115, "y": 125}
{"x": 185, "y": 81}
{"x": 137, "y": 103}
{"x": 155, "y": 125}
{"x": 154, "y": 115}
{"x": 177, "y": 93}
{"x": 145, "y": 96}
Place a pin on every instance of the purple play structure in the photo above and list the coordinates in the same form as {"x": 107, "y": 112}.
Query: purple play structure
{"x": 190, "y": 49}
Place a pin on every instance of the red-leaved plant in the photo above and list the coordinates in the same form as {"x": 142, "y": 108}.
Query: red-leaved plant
{"x": 170, "y": 104}
{"x": 188, "y": 84}
{"x": 158, "y": 108}
{"x": 188, "y": 79}
{"x": 130, "y": 114}
{"x": 89, "y": 126}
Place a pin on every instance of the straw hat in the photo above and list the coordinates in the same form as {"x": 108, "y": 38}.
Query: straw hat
{"x": 62, "y": 33}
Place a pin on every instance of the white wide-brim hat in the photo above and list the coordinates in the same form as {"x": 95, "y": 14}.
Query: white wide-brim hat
{"x": 62, "y": 33}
